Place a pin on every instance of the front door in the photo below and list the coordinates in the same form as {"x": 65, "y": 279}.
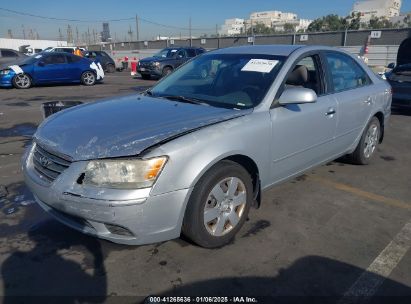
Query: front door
{"x": 303, "y": 134}
{"x": 51, "y": 68}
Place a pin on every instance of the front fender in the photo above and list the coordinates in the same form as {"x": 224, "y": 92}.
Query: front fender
{"x": 191, "y": 155}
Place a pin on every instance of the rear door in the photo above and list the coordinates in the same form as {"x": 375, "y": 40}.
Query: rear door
{"x": 352, "y": 89}
{"x": 303, "y": 134}
{"x": 73, "y": 67}
{"x": 181, "y": 57}
{"x": 51, "y": 69}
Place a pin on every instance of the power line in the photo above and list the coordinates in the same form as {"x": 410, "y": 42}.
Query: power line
{"x": 105, "y": 20}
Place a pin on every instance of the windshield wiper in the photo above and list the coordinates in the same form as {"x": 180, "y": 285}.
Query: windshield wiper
{"x": 184, "y": 99}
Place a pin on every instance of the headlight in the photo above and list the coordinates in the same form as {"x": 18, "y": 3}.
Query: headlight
{"x": 156, "y": 64}
{"x": 4, "y": 72}
{"x": 124, "y": 174}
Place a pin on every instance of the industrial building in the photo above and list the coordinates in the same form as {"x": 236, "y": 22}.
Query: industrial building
{"x": 376, "y": 9}
{"x": 272, "y": 19}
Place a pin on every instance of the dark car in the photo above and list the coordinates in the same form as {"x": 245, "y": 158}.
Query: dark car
{"x": 8, "y": 55}
{"x": 106, "y": 61}
{"x": 400, "y": 77}
{"x": 166, "y": 61}
{"x": 50, "y": 68}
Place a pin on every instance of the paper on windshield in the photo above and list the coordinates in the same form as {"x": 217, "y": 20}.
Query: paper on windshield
{"x": 260, "y": 65}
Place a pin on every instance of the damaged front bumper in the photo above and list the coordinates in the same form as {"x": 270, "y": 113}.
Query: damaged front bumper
{"x": 131, "y": 217}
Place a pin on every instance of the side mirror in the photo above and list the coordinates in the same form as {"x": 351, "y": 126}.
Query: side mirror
{"x": 41, "y": 63}
{"x": 297, "y": 95}
{"x": 391, "y": 65}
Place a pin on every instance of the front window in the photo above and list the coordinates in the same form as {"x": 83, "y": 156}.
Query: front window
{"x": 223, "y": 80}
{"x": 166, "y": 53}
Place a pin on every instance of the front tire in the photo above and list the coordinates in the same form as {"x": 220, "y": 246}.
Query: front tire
{"x": 22, "y": 81}
{"x": 88, "y": 78}
{"x": 368, "y": 143}
{"x": 219, "y": 205}
{"x": 146, "y": 76}
{"x": 166, "y": 71}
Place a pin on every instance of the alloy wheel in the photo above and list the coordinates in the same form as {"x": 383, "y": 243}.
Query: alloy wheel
{"x": 88, "y": 78}
{"x": 22, "y": 81}
{"x": 371, "y": 140}
{"x": 225, "y": 206}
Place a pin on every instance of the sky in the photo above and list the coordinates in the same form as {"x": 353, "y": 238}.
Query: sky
{"x": 173, "y": 15}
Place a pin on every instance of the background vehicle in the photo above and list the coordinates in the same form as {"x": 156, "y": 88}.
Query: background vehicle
{"x": 166, "y": 61}
{"x": 8, "y": 55}
{"x": 193, "y": 154}
{"x": 400, "y": 76}
{"x": 106, "y": 61}
{"x": 48, "y": 68}
{"x": 66, "y": 49}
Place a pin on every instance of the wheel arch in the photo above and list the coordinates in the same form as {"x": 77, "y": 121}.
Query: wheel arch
{"x": 249, "y": 164}
{"x": 380, "y": 117}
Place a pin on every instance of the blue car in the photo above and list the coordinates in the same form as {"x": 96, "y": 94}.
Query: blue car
{"x": 50, "y": 68}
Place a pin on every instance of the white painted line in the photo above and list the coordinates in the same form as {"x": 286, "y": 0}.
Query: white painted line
{"x": 380, "y": 269}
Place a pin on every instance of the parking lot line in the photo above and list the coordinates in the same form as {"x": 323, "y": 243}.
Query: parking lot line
{"x": 370, "y": 280}
{"x": 365, "y": 194}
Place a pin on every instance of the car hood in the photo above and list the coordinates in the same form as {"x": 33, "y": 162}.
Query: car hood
{"x": 7, "y": 64}
{"x": 124, "y": 126}
{"x": 154, "y": 59}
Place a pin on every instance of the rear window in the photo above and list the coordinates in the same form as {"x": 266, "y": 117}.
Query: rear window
{"x": 200, "y": 51}
{"x": 73, "y": 59}
{"x": 191, "y": 53}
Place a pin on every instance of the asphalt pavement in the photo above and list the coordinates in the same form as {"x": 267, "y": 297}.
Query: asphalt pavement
{"x": 338, "y": 231}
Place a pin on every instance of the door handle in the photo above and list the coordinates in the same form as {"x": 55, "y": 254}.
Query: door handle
{"x": 330, "y": 112}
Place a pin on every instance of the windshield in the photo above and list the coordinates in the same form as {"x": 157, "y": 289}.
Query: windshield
{"x": 166, "y": 53}
{"x": 223, "y": 80}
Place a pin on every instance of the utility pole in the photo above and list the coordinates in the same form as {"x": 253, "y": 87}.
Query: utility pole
{"x": 189, "y": 28}
{"x": 252, "y": 30}
{"x": 60, "y": 35}
{"x": 77, "y": 36}
{"x": 130, "y": 33}
{"x": 88, "y": 35}
{"x": 216, "y": 30}
{"x": 9, "y": 34}
{"x": 137, "y": 30}
{"x": 24, "y": 32}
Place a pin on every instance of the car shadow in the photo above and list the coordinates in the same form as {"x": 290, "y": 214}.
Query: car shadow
{"x": 60, "y": 265}
{"x": 311, "y": 279}
{"x": 403, "y": 112}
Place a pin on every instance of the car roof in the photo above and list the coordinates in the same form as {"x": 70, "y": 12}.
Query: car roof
{"x": 277, "y": 49}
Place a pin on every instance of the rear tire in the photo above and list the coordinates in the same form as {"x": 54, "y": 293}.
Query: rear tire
{"x": 111, "y": 68}
{"x": 218, "y": 205}
{"x": 145, "y": 76}
{"x": 368, "y": 143}
{"x": 88, "y": 78}
{"x": 22, "y": 81}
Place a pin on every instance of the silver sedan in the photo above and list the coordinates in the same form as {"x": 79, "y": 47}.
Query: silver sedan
{"x": 194, "y": 153}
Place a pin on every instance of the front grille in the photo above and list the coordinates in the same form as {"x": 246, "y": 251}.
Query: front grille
{"x": 49, "y": 166}
{"x": 145, "y": 64}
